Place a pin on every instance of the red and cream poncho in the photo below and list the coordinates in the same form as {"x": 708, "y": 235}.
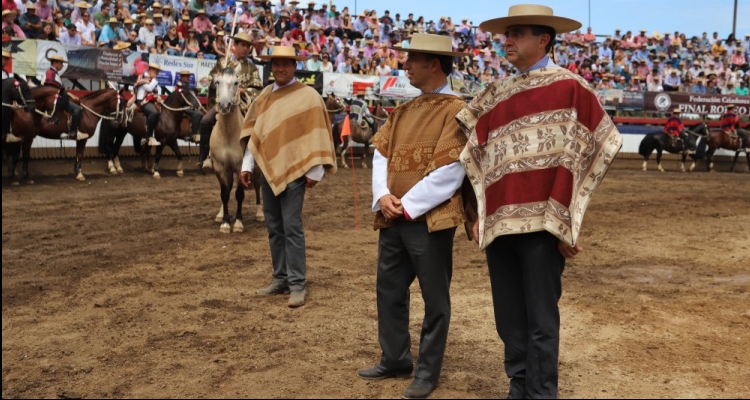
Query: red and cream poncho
{"x": 539, "y": 145}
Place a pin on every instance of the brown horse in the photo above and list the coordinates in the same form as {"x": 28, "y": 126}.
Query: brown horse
{"x": 167, "y": 131}
{"x": 359, "y": 133}
{"x": 51, "y": 122}
{"x": 718, "y": 139}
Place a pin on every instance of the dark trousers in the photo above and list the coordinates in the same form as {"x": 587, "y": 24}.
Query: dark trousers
{"x": 152, "y": 118}
{"x": 75, "y": 117}
{"x": 286, "y": 235}
{"x": 525, "y": 272}
{"x": 207, "y": 125}
{"x": 196, "y": 117}
{"x": 405, "y": 251}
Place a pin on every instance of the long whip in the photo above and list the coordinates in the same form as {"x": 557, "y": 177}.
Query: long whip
{"x": 231, "y": 37}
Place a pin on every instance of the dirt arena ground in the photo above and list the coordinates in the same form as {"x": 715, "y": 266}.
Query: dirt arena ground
{"x": 123, "y": 287}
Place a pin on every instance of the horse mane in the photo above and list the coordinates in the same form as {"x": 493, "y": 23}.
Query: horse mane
{"x": 94, "y": 94}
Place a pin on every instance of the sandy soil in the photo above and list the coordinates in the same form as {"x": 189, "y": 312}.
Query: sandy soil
{"x": 124, "y": 287}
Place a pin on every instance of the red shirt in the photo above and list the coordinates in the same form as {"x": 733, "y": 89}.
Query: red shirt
{"x": 730, "y": 121}
{"x": 182, "y": 29}
{"x": 674, "y": 126}
{"x": 10, "y": 5}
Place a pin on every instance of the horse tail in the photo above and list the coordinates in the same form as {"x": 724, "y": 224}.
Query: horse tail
{"x": 700, "y": 148}
{"x": 647, "y": 145}
{"x": 106, "y": 138}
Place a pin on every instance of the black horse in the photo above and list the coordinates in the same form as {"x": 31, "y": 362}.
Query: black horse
{"x": 695, "y": 139}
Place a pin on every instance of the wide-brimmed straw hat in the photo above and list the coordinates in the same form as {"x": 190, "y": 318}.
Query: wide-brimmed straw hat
{"x": 154, "y": 66}
{"x": 283, "y": 52}
{"x": 243, "y": 37}
{"x": 6, "y": 54}
{"x": 185, "y": 72}
{"x": 57, "y": 58}
{"x": 530, "y": 14}
{"x": 121, "y": 46}
{"x": 432, "y": 44}
{"x": 676, "y": 111}
{"x": 82, "y": 4}
{"x": 113, "y": 20}
{"x": 730, "y": 106}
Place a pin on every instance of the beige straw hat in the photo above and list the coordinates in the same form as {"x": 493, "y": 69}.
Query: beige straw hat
{"x": 121, "y": 46}
{"x": 57, "y": 58}
{"x": 154, "y": 66}
{"x": 530, "y": 14}
{"x": 6, "y": 54}
{"x": 432, "y": 44}
{"x": 283, "y": 52}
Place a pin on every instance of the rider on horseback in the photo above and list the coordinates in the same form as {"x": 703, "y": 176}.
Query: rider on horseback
{"x": 53, "y": 79}
{"x": 146, "y": 96}
{"x": 675, "y": 128}
{"x": 730, "y": 124}
{"x": 195, "y": 115}
{"x": 7, "y": 114}
{"x": 250, "y": 86}
{"x": 359, "y": 111}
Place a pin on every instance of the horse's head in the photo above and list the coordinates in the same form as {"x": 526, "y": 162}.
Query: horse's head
{"x": 118, "y": 104}
{"x": 20, "y": 93}
{"x": 227, "y": 89}
{"x": 333, "y": 104}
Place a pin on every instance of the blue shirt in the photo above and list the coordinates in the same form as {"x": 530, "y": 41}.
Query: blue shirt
{"x": 545, "y": 61}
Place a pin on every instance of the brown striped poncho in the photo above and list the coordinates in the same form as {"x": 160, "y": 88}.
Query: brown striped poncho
{"x": 289, "y": 133}
{"x": 539, "y": 145}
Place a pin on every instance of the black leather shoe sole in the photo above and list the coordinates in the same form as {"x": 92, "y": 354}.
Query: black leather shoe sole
{"x": 376, "y": 373}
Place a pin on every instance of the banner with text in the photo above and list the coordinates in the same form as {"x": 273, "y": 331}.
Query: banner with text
{"x": 347, "y": 86}
{"x": 92, "y": 63}
{"x": 23, "y": 56}
{"x": 310, "y": 78}
{"x": 171, "y": 67}
{"x": 397, "y": 88}
{"x": 694, "y": 103}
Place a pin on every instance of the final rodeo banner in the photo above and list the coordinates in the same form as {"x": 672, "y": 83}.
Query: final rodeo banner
{"x": 694, "y": 103}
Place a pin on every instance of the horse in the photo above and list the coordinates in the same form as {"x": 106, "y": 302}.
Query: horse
{"x": 718, "y": 139}
{"x": 359, "y": 133}
{"x": 660, "y": 142}
{"x": 51, "y": 123}
{"x": 227, "y": 153}
{"x": 16, "y": 95}
{"x": 167, "y": 132}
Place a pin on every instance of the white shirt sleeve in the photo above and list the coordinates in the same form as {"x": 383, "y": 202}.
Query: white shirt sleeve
{"x": 379, "y": 179}
{"x": 435, "y": 188}
{"x": 316, "y": 173}
{"x": 248, "y": 162}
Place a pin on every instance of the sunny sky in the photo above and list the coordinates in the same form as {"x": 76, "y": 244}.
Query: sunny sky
{"x": 690, "y": 16}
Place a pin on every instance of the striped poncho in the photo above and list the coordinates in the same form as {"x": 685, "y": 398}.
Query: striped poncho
{"x": 289, "y": 134}
{"x": 539, "y": 145}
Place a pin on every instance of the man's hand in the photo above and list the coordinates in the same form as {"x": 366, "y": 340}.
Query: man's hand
{"x": 311, "y": 183}
{"x": 391, "y": 207}
{"x": 567, "y": 251}
{"x": 246, "y": 177}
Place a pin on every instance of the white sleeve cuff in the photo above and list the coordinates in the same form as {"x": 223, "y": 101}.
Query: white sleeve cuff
{"x": 379, "y": 179}
{"x": 316, "y": 173}
{"x": 248, "y": 163}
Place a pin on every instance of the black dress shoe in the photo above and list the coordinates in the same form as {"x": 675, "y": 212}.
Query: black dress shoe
{"x": 380, "y": 372}
{"x": 419, "y": 389}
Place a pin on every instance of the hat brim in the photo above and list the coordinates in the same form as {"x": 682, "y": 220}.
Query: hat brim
{"x": 272, "y": 57}
{"x": 427, "y": 51}
{"x": 53, "y": 60}
{"x": 121, "y": 46}
{"x": 559, "y": 24}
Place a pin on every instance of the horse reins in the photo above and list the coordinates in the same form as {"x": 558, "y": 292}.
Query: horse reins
{"x": 15, "y": 105}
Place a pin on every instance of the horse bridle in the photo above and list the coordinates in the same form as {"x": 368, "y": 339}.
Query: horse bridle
{"x": 14, "y": 106}
{"x": 341, "y": 108}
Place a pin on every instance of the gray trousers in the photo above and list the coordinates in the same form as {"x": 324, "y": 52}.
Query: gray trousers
{"x": 285, "y": 233}
{"x": 405, "y": 251}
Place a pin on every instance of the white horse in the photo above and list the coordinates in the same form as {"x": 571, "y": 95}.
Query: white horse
{"x": 227, "y": 153}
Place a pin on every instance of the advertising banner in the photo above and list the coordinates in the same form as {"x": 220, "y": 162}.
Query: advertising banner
{"x": 93, "y": 63}
{"x": 694, "y": 103}
{"x": 347, "y": 85}
{"x": 44, "y": 50}
{"x": 397, "y": 88}
{"x": 312, "y": 79}
{"x": 171, "y": 67}
{"x": 203, "y": 68}
{"x": 23, "y": 56}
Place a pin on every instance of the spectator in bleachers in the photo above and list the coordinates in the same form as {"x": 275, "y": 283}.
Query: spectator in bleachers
{"x": 192, "y": 47}
{"x": 70, "y": 35}
{"x": 146, "y": 33}
{"x": 201, "y": 23}
{"x": 30, "y": 23}
{"x": 10, "y": 28}
{"x": 672, "y": 82}
{"x": 109, "y": 36}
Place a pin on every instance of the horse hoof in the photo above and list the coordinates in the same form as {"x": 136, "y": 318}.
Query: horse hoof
{"x": 80, "y": 177}
{"x": 15, "y": 183}
{"x": 30, "y": 182}
{"x": 259, "y": 215}
{"x": 112, "y": 171}
{"x": 157, "y": 175}
{"x": 225, "y": 228}
{"x": 180, "y": 174}
{"x": 364, "y": 166}
{"x": 120, "y": 170}
{"x": 238, "y": 227}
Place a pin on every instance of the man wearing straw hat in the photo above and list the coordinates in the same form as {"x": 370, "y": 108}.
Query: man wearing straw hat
{"x": 6, "y": 61}
{"x": 145, "y": 98}
{"x": 52, "y": 78}
{"x": 674, "y": 128}
{"x": 195, "y": 115}
{"x": 539, "y": 145}
{"x": 250, "y": 86}
{"x": 287, "y": 133}
{"x": 418, "y": 205}
{"x": 730, "y": 124}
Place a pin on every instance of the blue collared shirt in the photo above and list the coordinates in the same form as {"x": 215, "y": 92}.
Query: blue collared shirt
{"x": 539, "y": 64}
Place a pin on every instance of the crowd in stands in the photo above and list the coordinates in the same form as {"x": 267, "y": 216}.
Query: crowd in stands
{"x": 338, "y": 41}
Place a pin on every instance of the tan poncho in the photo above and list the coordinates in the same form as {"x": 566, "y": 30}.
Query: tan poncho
{"x": 289, "y": 133}
{"x": 418, "y": 138}
{"x": 539, "y": 145}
